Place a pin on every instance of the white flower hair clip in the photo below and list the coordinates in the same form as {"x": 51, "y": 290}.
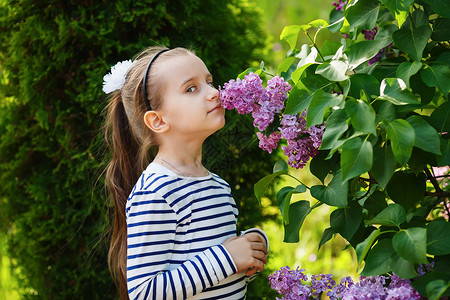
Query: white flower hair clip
{"x": 115, "y": 79}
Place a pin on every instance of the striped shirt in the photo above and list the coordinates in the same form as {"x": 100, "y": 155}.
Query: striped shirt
{"x": 175, "y": 227}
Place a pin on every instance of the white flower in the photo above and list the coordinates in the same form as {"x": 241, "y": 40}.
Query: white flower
{"x": 116, "y": 78}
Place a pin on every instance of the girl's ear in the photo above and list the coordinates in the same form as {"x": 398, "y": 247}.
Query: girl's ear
{"x": 155, "y": 122}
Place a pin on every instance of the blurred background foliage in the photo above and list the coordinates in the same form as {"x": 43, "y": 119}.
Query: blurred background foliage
{"x": 53, "y": 55}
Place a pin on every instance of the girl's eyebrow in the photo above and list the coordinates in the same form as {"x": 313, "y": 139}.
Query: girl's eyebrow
{"x": 208, "y": 76}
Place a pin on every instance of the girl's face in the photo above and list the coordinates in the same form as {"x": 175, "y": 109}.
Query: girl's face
{"x": 190, "y": 103}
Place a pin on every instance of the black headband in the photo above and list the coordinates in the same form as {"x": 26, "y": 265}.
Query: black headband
{"x": 144, "y": 82}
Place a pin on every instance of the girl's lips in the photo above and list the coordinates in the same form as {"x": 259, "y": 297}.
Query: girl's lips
{"x": 215, "y": 108}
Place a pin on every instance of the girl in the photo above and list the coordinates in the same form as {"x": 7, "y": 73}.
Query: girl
{"x": 174, "y": 234}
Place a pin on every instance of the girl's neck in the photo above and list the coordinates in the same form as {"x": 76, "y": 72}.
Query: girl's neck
{"x": 182, "y": 161}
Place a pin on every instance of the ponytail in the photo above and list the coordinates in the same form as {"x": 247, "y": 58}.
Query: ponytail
{"x": 122, "y": 173}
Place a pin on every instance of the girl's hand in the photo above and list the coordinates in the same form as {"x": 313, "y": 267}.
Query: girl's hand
{"x": 249, "y": 252}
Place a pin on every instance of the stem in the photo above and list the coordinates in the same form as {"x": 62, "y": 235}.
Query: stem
{"x": 298, "y": 180}
{"x": 432, "y": 180}
{"x": 318, "y": 203}
{"x": 268, "y": 73}
{"x": 315, "y": 46}
{"x": 441, "y": 194}
{"x": 412, "y": 21}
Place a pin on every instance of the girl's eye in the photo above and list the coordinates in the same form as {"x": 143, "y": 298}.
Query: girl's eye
{"x": 191, "y": 89}
{"x": 211, "y": 84}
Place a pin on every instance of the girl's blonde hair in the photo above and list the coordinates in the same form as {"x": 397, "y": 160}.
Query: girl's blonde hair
{"x": 132, "y": 145}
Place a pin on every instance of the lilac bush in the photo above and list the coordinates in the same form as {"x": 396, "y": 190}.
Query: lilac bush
{"x": 294, "y": 284}
{"x": 265, "y": 104}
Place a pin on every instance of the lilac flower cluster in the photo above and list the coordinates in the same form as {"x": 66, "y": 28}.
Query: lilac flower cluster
{"x": 340, "y": 5}
{"x": 292, "y": 284}
{"x": 302, "y": 142}
{"x": 248, "y": 96}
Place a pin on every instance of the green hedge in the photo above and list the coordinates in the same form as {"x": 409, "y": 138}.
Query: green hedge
{"x": 53, "y": 55}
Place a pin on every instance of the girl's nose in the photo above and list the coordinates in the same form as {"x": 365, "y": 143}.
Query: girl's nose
{"x": 213, "y": 94}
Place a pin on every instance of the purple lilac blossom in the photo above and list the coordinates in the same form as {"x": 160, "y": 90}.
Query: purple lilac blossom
{"x": 288, "y": 283}
{"x": 242, "y": 94}
{"x": 302, "y": 143}
{"x": 321, "y": 283}
{"x": 403, "y": 292}
{"x": 370, "y": 34}
{"x": 291, "y": 284}
{"x": 268, "y": 143}
{"x": 249, "y": 96}
{"x": 339, "y": 5}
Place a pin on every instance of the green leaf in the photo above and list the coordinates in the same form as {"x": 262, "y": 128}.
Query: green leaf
{"x": 412, "y": 41}
{"x": 444, "y": 159}
{"x": 363, "y": 248}
{"x": 378, "y": 259}
{"x": 315, "y": 82}
{"x": 326, "y": 236}
{"x": 376, "y": 202}
{"x": 261, "y": 186}
{"x": 336, "y": 21}
{"x": 362, "y": 115}
{"x": 440, "y": 117}
{"x": 386, "y": 110}
{"x": 439, "y": 272}
{"x": 297, "y": 214}
{"x": 300, "y": 96}
{"x": 426, "y": 136}
{"x": 407, "y": 69}
{"x": 402, "y": 138}
{"x": 318, "y": 23}
{"x": 284, "y": 199}
{"x": 439, "y": 6}
{"x": 320, "y": 166}
{"x": 395, "y": 91}
{"x": 346, "y": 221}
{"x": 406, "y": 189}
{"x": 393, "y": 215}
{"x": 329, "y": 48}
{"x": 364, "y": 82}
{"x": 297, "y": 74}
{"x": 335, "y": 194}
{"x": 280, "y": 165}
{"x": 399, "y": 8}
{"x": 441, "y": 30}
{"x": 402, "y": 267}
{"x": 385, "y": 32}
{"x": 286, "y": 64}
{"x": 290, "y": 34}
{"x": 363, "y": 51}
{"x": 411, "y": 244}
{"x": 438, "y": 76}
{"x": 416, "y": 19}
{"x": 298, "y": 100}
{"x": 384, "y": 165}
{"x": 336, "y": 125}
{"x": 319, "y": 102}
{"x": 438, "y": 237}
{"x": 436, "y": 288}
{"x": 334, "y": 70}
{"x": 363, "y": 14}
{"x": 356, "y": 158}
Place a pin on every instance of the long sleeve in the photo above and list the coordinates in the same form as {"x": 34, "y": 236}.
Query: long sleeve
{"x": 153, "y": 250}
